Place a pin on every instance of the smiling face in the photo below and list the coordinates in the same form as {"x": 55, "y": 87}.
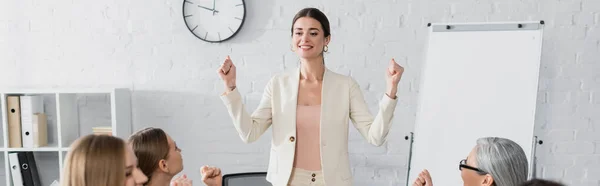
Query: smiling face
{"x": 309, "y": 38}
{"x": 310, "y": 33}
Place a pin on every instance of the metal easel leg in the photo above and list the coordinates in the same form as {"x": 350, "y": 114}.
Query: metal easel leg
{"x": 533, "y": 167}
{"x": 412, "y": 140}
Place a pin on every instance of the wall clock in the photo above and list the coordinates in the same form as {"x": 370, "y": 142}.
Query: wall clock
{"x": 214, "y": 20}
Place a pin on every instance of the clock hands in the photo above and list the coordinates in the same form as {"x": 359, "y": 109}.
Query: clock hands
{"x": 209, "y": 9}
{"x": 214, "y": 7}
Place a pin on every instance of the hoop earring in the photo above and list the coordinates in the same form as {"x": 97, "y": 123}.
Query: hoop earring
{"x": 326, "y": 48}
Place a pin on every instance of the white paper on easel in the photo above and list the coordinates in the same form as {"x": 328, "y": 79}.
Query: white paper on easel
{"x": 478, "y": 80}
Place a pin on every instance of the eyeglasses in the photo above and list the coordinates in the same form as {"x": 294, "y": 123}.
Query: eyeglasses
{"x": 463, "y": 164}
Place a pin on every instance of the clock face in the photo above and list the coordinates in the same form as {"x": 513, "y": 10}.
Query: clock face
{"x": 214, "y": 20}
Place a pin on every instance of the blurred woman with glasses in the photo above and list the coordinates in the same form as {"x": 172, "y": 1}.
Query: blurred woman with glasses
{"x": 493, "y": 161}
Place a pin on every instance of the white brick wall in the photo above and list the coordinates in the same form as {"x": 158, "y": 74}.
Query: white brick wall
{"x": 144, "y": 45}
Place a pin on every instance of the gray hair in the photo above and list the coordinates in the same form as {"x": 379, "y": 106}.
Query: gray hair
{"x": 503, "y": 159}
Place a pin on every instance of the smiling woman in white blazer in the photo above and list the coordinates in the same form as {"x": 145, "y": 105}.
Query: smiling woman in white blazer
{"x": 309, "y": 109}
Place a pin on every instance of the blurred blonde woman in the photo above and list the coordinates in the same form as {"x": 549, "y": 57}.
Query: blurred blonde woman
{"x": 101, "y": 160}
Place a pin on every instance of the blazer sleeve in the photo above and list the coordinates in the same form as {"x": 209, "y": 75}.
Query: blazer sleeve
{"x": 373, "y": 129}
{"x": 249, "y": 127}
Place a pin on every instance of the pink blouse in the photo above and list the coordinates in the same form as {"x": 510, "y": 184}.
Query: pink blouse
{"x": 308, "y": 135}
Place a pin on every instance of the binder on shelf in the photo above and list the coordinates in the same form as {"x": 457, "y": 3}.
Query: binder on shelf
{"x": 15, "y": 169}
{"x": 30, "y": 105}
{"x": 13, "y": 109}
{"x": 28, "y": 169}
{"x": 40, "y": 130}
{"x": 25, "y": 171}
{"x": 33, "y": 169}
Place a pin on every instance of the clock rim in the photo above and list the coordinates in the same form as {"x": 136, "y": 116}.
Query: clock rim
{"x": 216, "y": 41}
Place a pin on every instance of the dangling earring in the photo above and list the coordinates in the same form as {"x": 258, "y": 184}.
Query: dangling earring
{"x": 292, "y": 48}
{"x": 326, "y": 48}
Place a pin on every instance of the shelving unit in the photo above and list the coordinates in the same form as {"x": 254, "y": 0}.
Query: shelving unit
{"x": 68, "y": 118}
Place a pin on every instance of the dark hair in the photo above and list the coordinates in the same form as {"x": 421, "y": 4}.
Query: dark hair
{"x": 541, "y": 182}
{"x": 150, "y": 145}
{"x": 315, "y": 14}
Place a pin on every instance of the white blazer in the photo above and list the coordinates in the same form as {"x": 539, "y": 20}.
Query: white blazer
{"x": 342, "y": 99}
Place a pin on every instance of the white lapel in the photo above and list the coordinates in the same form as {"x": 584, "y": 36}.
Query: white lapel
{"x": 327, "y": 100}
{"x": 294, "y": 83}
